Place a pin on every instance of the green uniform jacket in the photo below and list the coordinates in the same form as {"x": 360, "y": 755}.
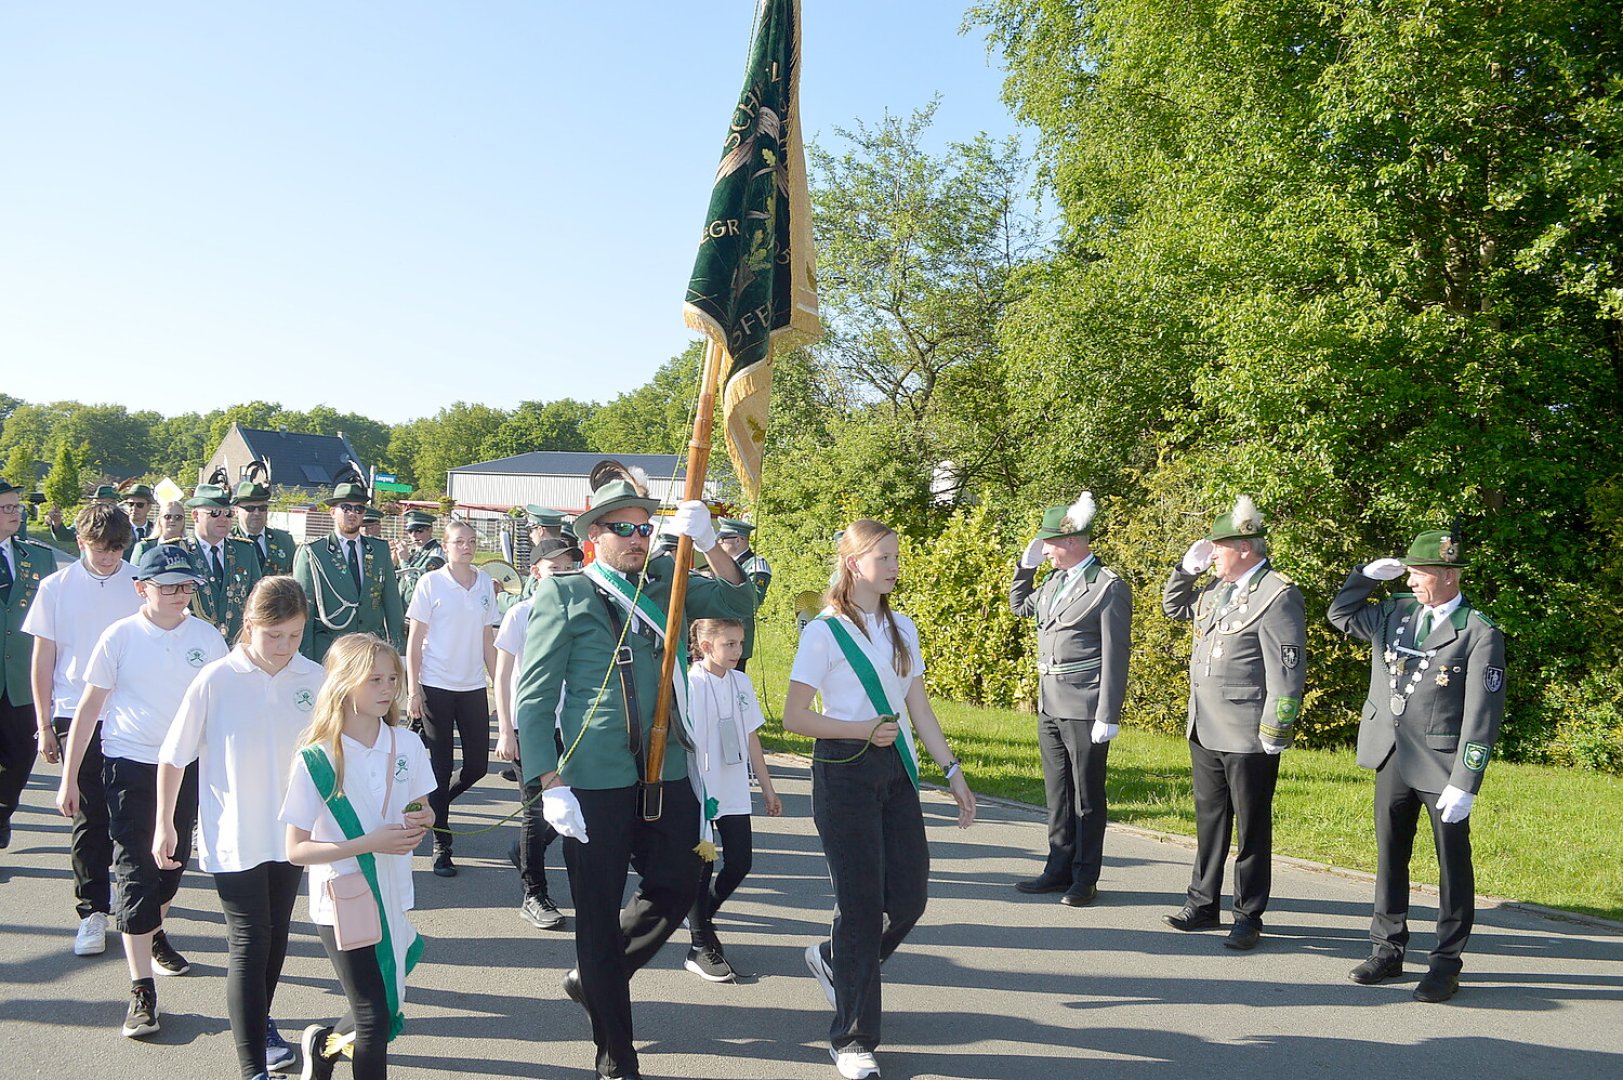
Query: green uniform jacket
{"x": 279, "y": 545}
{"x": 335, "y": 608}
{"x": 31, "y": 562}
{"x": 758, "y": 572}
{"x": 569, "y": 649}
{"x": 220, "y": 602}
{"x": 64, "y": 537}
{"x": 425, "y": 560}
{"x": 139, "y": 533}
{"x": 1451, "y": 713}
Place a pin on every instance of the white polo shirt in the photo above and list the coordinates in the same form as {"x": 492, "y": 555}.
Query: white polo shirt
{"x": 820, "y": 663}
{"x": 454, "y": 647}
{"x": 72, "y": 609}
{"x": 242, "y": 726}
{"x": 148, "y": 670}
{"x": 510, "y": 640}
{"x": 304, "y": 808}
{"x": 715, "y": 701}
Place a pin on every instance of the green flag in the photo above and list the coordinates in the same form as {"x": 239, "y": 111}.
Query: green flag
{"x": 754, "y": 279}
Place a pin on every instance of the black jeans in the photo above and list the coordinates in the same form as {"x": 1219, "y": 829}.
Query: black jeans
{"x": 737, "y": 856}
{"x": 91, "y": 846}
{"x": 1397, "y": 817}
{"x": 18, "y": 750}
{"x": 258, "y": 905}
{"x": 447, "y": 714}
{"x": 1074, "y": 787}
{"x": 612, "y": 943}
{"x": 368, "y": 1016}
{"x": 867, "y": 813}
{"x": 1229, "y": 786}
{"x": 534, "y": 836}
{"x": 132, "y": 813}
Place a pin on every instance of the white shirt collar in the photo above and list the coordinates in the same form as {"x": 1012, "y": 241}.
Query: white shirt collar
{"x": 1245, "y": 578}
{"x": 1443, "y": 610}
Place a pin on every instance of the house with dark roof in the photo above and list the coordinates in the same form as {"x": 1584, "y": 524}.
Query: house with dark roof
{"x": 293, "y": 459}
{"x": 555, "y": 479}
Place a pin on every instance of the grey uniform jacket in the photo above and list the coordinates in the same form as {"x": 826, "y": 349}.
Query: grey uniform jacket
{"x": 1249, "y": 660}
{"x": 1082, "y": 641}
{"x": 1451, "y": 713}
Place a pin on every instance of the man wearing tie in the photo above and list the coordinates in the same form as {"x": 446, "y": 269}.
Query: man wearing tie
{"x": 1084, "y": 616}
{"x": 274, "y": 547}
{"x": 1246, "y": 673}
{"x": 349, "y": 579}
{"x": 22, "y": 564}
{"x": 1436, "y": 699}
{"x": 138, "y": 504}
{"x": 230, "y": 565}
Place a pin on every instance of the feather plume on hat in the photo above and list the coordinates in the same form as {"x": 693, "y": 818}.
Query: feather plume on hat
{"x": 609, "y": 469}
{"x": 1079, "y": 515}
{"x": 1245, "y": 515}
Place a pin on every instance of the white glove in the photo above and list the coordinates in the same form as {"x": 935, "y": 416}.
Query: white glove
{"x": 1455, "y": 804}
{"x": 1384, "y": 569}
{"x": 1033, "y": 556}
{"x": 562, "y": 811}
{"x": 1272, "y": 748}
{"x": 692, "y": 519}
{"x": 1103, "y": 733}
{"x": 1198, "y": 557}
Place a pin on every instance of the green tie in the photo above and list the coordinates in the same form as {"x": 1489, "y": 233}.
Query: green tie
{"x": 1224, "y": 593}
{"x": 1422, "y": 629}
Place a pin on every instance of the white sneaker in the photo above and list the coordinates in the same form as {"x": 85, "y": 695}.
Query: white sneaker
{"x": 91, "y": 940}
{"x": 854, "y": 1064}
{"x": 820, "y": 968}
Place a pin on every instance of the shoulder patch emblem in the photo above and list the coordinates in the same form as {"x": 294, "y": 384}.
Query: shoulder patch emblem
{"x": 1493, "y": 679}
{"x": 1476, "y": 756}
{"x": 1291, "y": 655}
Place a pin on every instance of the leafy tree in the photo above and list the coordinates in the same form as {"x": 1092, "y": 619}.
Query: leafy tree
{"x": 540, "y": 425}
{"x": 62, "y": 485}
{"x": 655, "y": 418}
{"x": 451, "y": 437}
{"x": 19, "y": 470}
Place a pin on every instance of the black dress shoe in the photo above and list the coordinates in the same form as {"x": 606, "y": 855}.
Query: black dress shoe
{"x": 1378, "y": 968}
{"x": 1191, "y": 918}
{"x": 443, "y": 866}
{"x": 1080, "y": 896}
{"x": 1437, "y": 986}
{"x": 1243, "y": 935}
{"x": 1043, "y": 884}
{"x": 5, "y": 835}
{"x": 572, "y": 988}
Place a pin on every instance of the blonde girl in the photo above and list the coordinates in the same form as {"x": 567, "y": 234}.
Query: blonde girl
{"x": 864, "y": 659}
{"x": 240, "y": 722}
{"x": 354, "y": 804}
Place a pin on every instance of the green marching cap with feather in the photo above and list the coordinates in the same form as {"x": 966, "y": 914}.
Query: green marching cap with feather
{"x": 1077, "y": 519}
{"x": 1436, "y": 547}
{"x": 1244, "y": 522}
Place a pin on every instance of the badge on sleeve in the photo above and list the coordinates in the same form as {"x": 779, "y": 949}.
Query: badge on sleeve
{"x": 1493, "y": 679}
{"x": 1476, "y": 756}
{"x": 1291, "y": 655}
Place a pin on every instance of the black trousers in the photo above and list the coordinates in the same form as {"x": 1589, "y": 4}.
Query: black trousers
{"x": 368, "y": 1015}
{"x": 534, "y": 836}
{"x": 612, "y": 943}
{"x": 446, "y": 715}
{"x": 1074, "y": 786}
{"x": 1397, "y": 818}
{"x": 132, "y": 814}
{"x": 1231, "y": 786}
{"x": 18, "y": 749}
{"x": 258, "y": 905}
{"x": 868, "y": 815}
{"x": 737, "y": 856}
{"x": 91, "y": 846}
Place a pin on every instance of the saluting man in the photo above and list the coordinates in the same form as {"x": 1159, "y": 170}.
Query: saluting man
{"x": 138, "y": 504}
{"x": 422, "y": 555}
{"x": 734, "y": 537}
{"x": 349, "y": 579}
{"x": 1436, "y": 699}
{"x": 1246, "y": 673}
{"x": 591, "y": 789}
{"x": 273, "y": 547}
{"x": 230, "y": 565}
{"x": 23, "y": 563}
{"x": 1084, "y": 616}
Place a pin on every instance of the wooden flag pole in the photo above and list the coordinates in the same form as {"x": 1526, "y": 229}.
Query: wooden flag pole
{"x": 698, "y": 466}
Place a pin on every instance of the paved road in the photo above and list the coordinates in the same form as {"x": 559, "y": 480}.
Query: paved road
{"x": 990, "y": 985}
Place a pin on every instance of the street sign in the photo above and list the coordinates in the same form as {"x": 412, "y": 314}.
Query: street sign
{"x": 385, "y": 478}
{"x": 389, "y": 485}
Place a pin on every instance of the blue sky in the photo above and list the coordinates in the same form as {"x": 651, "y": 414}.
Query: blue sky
{"x": 387, "y": 207}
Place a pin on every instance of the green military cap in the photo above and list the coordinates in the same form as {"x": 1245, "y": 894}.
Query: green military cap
{"x": 140, "y": 491}
{"x": 416, "y": 518}
{"x": 733, "y": 527}
{"x": 1436, "y": 547}
{"x": 1076, "y": 519}
{"x": 251, "y": 491}
{"x": 614, "y": 495}
{"x": 1244, "y": 522}
{"x": 348, "y": 492}
{"x": 208, "y": 495}
{"x": 107, "y": 491}
{"x": 567, "y": 531}
{"x": 545, "y": 516}
{"x": 7, "y": 487}
{"x": 372, "y": 513}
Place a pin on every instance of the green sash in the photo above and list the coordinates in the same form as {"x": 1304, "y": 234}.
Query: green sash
{"x": 868, "y": 675}
{"x": 321, "y": 771}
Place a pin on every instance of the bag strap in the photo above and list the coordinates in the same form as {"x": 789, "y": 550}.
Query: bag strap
{"x": 628, "y": 684}
{"x": 868, "y": 675}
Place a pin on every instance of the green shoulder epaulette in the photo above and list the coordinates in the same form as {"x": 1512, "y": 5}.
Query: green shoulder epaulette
{"x": 1486, "y": 621}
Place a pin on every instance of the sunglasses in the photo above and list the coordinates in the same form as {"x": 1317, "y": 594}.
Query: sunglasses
{"x": 184, "y": 588}
{"x": 136, "y": 504}
{"x": 352, "y": 508}
{"x": 419, "y": 528}
{"x": 252, "y": 509}
{"x": 173, "y": 517}
{"x": 219, "y": 513}
{"x": 625, "y": 528}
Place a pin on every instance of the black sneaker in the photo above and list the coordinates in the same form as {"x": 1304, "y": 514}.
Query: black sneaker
{"x": 443, "y": 866}
{"x": 541, "y": 913}
{"x": 317, "y": 1065}
{"x": 1377, "y": 968}
{"x": 142, "y": 1017}
{"x": 165, "y": 960}
{"x": 709, "y": 965}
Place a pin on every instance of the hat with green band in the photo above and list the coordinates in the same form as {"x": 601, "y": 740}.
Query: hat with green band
{"x": 1436, "y": 547}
